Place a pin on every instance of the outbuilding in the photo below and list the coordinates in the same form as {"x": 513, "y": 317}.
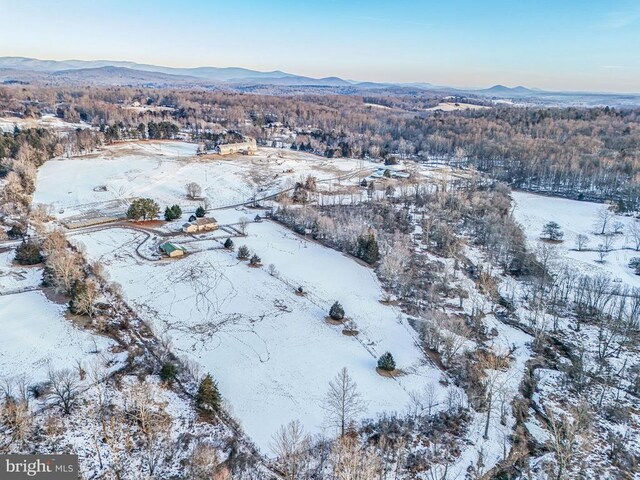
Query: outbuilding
{"x": 172, "y": 250}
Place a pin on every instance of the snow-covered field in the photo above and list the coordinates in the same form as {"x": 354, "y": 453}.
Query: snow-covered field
{"x": 575, "y": 218}
{"x": 37, "y": 337}
{"x": 7, "y": 124}
{"x": 104, "y": 181}
{"x": 271, "y": 351}
{"x": 17, "y": 277}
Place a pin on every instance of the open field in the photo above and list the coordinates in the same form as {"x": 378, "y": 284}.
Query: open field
{"x": 579, "y": 218}
{"x": 37, "y": 337}
{"x": 271, "y": 350}
{"x": 105, "y": 181}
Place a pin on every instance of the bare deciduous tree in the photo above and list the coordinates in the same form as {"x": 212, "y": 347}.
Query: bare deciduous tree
{"x": 194, "y": 190}
{"x": 63, "y": 388}
{"x": 604, "y": 217}
{"x": 581, "y": 242}
{"x": 343, "y": 402}
{"x": 351, "y": 461}
{"x": 291, "y": 445}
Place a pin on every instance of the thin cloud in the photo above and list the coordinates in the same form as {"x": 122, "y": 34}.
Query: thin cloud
{"x": 621, "y": 18}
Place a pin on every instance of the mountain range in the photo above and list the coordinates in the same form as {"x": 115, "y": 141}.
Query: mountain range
{"x": 106, "y": 72}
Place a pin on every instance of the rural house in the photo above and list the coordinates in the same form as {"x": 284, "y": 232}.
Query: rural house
{"x": 172, "y": 250}
{"x": 248, "y": 147}
{"x": 200, "y": 225}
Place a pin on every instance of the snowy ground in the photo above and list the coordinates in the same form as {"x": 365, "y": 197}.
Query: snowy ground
{"x": 271, "y": 350}
{"x": 106, "y": 180}
{"x": 575, "y": 217}
{"x": 7, "y": 124}
{"x": 17, "y": 277}
{"x": 36, "y": 336}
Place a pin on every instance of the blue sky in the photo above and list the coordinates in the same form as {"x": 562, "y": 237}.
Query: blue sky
{"x": 551, "y": 44}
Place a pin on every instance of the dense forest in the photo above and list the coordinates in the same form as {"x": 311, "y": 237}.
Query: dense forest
{"x": 583, "y": 153}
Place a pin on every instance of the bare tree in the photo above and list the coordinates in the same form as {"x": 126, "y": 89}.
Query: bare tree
{"x": 563, "y": 441}
{"x": 604, "y": 217}
{"x": 581, "y": 241}
{"x": 602, "y": 252}
{"x": 194, "y": 190}
{"x": 343, "y": 402}
{"x": 291, "y": 445}
{"x": 63, "y": 388}
{"x": 154, "y": 423}
{"x": 242, "y": 223}
{"x": 633, "y": 234}
{"x": 351, "y": 461}
{"x": 204, "y": 464}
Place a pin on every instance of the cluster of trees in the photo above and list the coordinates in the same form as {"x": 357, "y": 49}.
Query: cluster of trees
{"x": 590, "y": 153}
{"x": 172, "y": 213}
{"x": 22, "y": 152}
{"x": 162, "y": 130}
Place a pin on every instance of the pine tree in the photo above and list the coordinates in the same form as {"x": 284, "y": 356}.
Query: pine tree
{"x": 336, "y": 312}
{"x": 386, "y": 362}
{"x": 255, "y": 260}
{"x": 200, "y": 212}
{"x": 28, "y": 253}
{"x": 243, "y": 252}
{"x": 228, "y": 244}
{"x": 367, "y": 248}
{"x": 208, "y": 396}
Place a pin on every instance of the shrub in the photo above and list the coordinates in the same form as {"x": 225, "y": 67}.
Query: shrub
{"x": 635, "y": 264}
{"x": 168, "y": 372}
{"x": 386, "y": 362}
{"x": 228, "y": 244}
{"x": 336, "y": 312}
{"x": 16, "y": 231}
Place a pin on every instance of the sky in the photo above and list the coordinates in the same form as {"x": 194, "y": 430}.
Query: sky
{"x": 549, "y": 44}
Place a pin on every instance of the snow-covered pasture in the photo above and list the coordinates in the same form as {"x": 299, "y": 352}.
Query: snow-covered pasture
{"x": 271, "y": 350}
{"x": 106, "y": 180}
{"x": 575, "y": 218}
{"x": 36, "y": 337}
{"x": 7, "y": 124}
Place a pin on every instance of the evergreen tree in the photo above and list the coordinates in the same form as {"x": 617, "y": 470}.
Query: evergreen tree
{"x": 336, "y": 312}
{"x": 200, "y": 212}
{"x": 228, "y": 244}
{"x": 171, "y": 213}
{"x": 208, "y": 396}
{"x": 243, "y": 252}
{"x": 386, "y": 362}
{"x": 367, "y": 248}
{"x": 255, "y": 260}
{"x": 28, "y": 253}
{"x": 552, "y": 231}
